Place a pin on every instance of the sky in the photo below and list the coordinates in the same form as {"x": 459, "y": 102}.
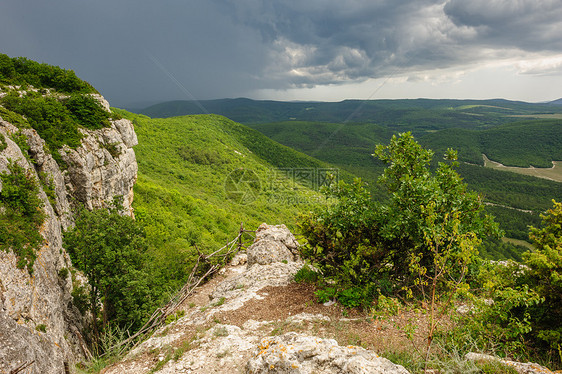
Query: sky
{"x": 141, "y": 52}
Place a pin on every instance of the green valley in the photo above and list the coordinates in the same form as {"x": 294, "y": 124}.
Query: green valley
{"x": 515, "y": 134}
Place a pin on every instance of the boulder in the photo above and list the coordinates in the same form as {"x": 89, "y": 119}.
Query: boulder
{"x": 272, "y": 244}
{"x": 296, "y": 353}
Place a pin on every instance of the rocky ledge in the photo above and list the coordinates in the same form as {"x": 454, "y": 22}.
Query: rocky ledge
{"x": 200, "y": 341}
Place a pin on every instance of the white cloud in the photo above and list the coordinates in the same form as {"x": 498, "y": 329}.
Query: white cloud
{"x": 541, "y": 65}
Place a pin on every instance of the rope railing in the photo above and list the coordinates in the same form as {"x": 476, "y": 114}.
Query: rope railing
{"x": 159, "y": 316}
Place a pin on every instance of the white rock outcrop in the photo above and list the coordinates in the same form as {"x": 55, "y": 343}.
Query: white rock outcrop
{"x": 273, "y": 244}
{"x": 248, "y": 347}
{"x": 301, "y": 354}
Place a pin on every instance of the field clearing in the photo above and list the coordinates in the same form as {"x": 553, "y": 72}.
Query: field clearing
{"x": 518, "y": 242}
{"x": 539, "y": 116}
{"x": 554, "y": 173}
{"x": 463, "y": 107}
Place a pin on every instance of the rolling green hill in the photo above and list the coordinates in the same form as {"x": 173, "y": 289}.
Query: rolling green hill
{"x": 186, "y": 194}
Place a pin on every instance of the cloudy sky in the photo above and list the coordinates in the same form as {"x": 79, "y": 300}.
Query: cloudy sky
{"x": 139, "y": 51}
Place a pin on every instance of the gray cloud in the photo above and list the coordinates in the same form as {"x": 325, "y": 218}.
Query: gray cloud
{"x": 354, "y": 40}
{"x": 145, "y": 50}
{"x": 524, "y": 24}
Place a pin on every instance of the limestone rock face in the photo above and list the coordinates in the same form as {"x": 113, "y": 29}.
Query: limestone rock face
{"x": 38, "y": 323}
{"x": 296, "y": 353}
{"x": 272, "y": 244}
{"x": 104, "y": 166}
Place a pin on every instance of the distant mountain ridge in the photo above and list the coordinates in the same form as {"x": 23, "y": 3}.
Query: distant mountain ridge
{"x": 431, "y": 111}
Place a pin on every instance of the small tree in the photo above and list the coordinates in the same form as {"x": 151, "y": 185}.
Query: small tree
{"x": 110, "y": 248}
{"x": 433, "y": 222}
{"x": 419, "y": 244}
{"x": 545, "y": 276}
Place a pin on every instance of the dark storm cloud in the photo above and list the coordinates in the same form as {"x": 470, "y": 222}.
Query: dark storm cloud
{"x": 524, "y": 24}
{"x": 319, "y": 41}
{"x": 129, "y": 49}
{"x": 146, "y": 50}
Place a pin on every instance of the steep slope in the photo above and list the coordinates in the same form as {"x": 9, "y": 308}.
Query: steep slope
{"x": 201, "y": 177}
{"x": 40, "y": 328}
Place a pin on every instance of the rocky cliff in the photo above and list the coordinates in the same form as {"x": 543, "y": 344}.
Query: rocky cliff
{"x": 39, "y": 326}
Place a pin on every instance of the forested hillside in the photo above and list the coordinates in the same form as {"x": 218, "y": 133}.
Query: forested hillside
{"x": 201, "y": 177}
{"x": 422, "y": 114}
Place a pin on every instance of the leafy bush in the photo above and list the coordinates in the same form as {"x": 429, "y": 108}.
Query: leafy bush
{"x": 342, "y": 240}
{"x": 431, "y": 227}
{"x": 87, "y": 111}
{"x": 3, "y": 144}
{"x": 326, "y": 294}
{"x": 14, "y": 118}
{"x": 21, "y": 71}
{"x": 58, "y": 122}
{"x": 351, "y": 297}
{"x": 545, "y": 276}
{"x": 518, "y": 307}
{"x": 306, "y": 275}
{"x": 21, "y": 215}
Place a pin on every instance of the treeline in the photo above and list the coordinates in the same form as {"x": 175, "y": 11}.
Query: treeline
{"x": 21, "y": 71}
{"x": 416, "y": 115}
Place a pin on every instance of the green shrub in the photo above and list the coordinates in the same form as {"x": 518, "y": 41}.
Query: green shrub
{"x": 87, "y": 111}
{"x": 21, "y": 140}
{"x": 112, "y": 149}
{"x": 545, "y": 277}
{"x": 200, "y": 156}
{"x": 351, "y": 297}
{"x": 41, "y": 327}
{"x": 58, "y": 122}
{"x": 48, "y": 116}
{"x": 3, "y": 144}
{"x": 14, "y": 118}
{"x": 326, "y": 294}
{"x": 21, "y": 215}
{"x": 306, "y": 275}
{"x": 21, "y": 71}
{"x": 174, "y": 317}
{"x": 425, "y": 236}
{"x": 63, "y": 273}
